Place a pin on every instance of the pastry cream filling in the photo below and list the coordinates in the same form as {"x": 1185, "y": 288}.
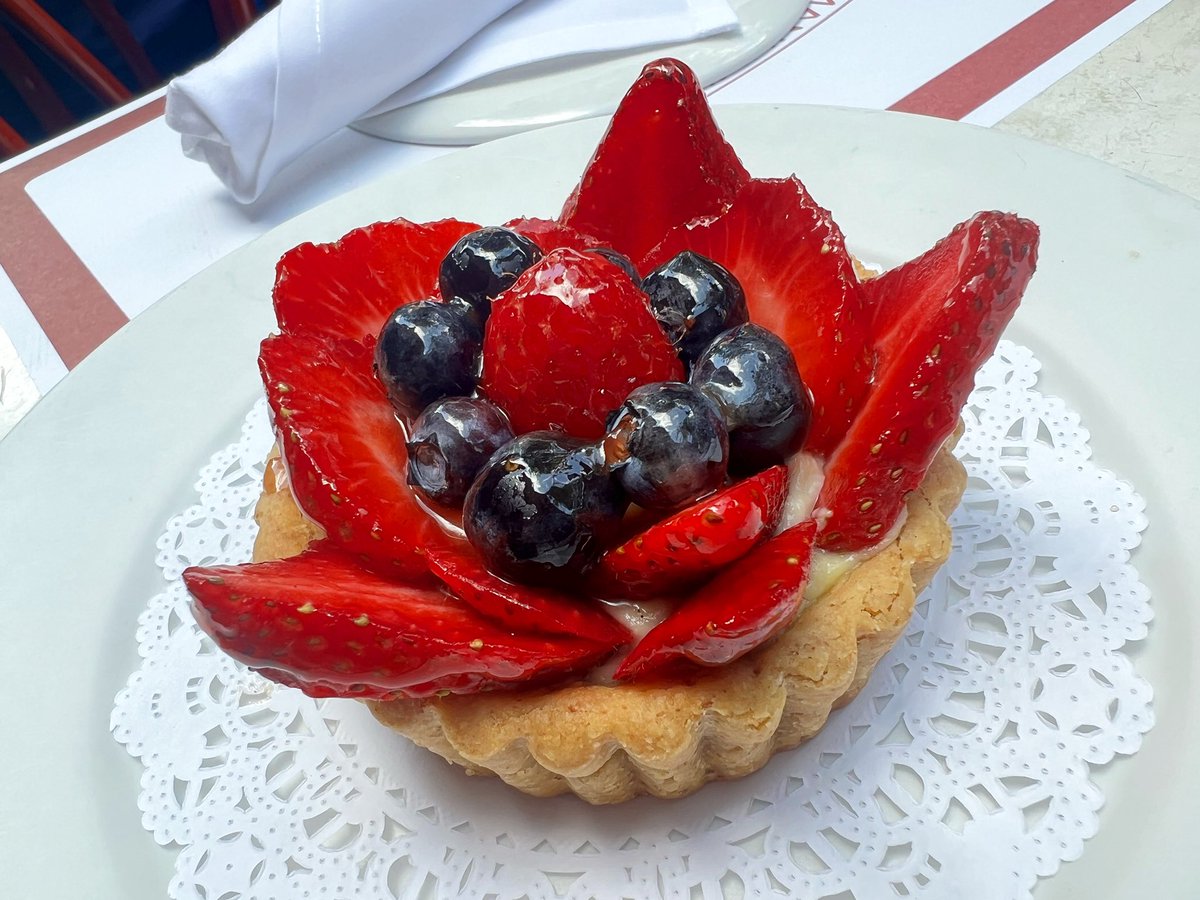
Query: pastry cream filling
{"x": 806, "y": 475}
{"x": 639, "y": 617}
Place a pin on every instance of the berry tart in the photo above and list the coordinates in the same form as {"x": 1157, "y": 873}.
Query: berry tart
{"x": 622, "y": 502}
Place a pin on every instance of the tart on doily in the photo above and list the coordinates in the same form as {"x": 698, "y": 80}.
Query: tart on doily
{"x": 622, "y": 502}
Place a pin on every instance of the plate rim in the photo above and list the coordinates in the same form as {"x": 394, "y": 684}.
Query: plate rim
{"x": 94, "y": 394}
{"x": 572, "y": 88}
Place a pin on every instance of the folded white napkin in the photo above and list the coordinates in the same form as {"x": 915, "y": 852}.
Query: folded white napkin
{"x": 310, "y": 67}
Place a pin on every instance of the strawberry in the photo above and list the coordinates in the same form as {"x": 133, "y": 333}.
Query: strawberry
{"x": 662, "y": 162}
{"x": 568, "y": 342}
{"x": 322, "y": 623}
{"x": 938, "y": 319}
{"x": 791, "y": 261}
{"x": 697, "y": 541}
{"x": 520, "y": 607}
{"x": 348, "y": 288}
{"x": 549, "y": 234}
{"x": 737, "y": 611}
{"x": 345, "y": 451}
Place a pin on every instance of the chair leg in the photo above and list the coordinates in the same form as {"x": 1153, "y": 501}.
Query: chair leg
{"x": 29, "y": 82}
{"x": 92, "y": 73}
{"x": 244, "y": 12}
{"x": 11, "y": 143}
{"x": 127, "y": 45}
{"x": 222, "y": 19}
{"x": 232, "y": 16}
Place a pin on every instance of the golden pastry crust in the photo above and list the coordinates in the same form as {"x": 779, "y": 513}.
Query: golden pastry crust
{"x": 611, "y": 743}
{"x": 283, "y": 530}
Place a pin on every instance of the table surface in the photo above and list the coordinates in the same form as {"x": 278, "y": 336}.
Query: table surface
{"x": 1130, "y": 98}
{"x": 1135, "y": 104}
{"x": 97, "y": 225}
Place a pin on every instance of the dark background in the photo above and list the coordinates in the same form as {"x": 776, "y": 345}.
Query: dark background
{"x": 176, "y": 34}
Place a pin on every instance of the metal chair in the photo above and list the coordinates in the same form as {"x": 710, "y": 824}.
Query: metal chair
{"x": 230, "y": 17}
{"x": 11, "y": 143}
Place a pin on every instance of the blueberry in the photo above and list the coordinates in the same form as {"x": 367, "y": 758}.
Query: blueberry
{"x": 618, "y": 259}
{"x": 543, "y": 508}
{"x": 694, "y": 300}
{"x": 751, "y": 375}
{"x": 426, "y": 351}
{"x": 471, "y": 317}
{"x": 668, "y": 445}
{"x": 450, "y": 442}
{"x": 485, "y": 263}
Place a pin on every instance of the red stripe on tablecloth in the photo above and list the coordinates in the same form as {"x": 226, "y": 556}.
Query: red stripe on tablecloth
{"x": 77, "y": 314}
{"x": 999, "y": 64}
{"x": 71, "y": 307}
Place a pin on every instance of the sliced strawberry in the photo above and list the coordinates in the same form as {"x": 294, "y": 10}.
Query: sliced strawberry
{"x": 940, "y": 317}
{"x": 568, "y": 342}
{"x": 662, "y": 162}
{"x": 791, "y": 261}
{"x": 737, "y": 611}
{"x": 347, "y": 288}
{"x": 521, "y": 607}
{"x": 345, "y": 451}
{"x": 550, "y": 235}
{"x": 322, "y": 623}
{"x": 695, "y": 542}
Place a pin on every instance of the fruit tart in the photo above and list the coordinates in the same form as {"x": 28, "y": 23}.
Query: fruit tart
{"x": 617, "y": 503}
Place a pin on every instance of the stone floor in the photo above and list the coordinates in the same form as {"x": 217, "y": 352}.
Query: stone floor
{"x": 1136, "y": 104}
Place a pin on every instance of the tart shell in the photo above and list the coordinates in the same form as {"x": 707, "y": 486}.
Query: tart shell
{"x": 610, "y": 743}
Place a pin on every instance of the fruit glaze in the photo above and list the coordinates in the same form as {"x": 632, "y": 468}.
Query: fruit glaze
{"x": 665, "y": 400}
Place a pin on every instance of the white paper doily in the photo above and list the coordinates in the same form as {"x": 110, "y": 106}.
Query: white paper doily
{"x": 962, "y": 769}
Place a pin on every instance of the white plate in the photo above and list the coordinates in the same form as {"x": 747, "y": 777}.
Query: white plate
{"x": 577, "y": 87}
{"x": 88, "y": 479}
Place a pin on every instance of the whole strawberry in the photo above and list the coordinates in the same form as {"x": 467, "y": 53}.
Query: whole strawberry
{"x": 568, "y": 342}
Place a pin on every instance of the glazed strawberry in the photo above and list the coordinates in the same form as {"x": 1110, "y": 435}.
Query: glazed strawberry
{"x": 739, "y": 610}
{"x": 662, "y": 162}
{"x": 345, "y": 451}
{"x": 550, "y": 234}
{"x": 568, "y": 342}
{"x": 521, "y": 608}
{"x": 940, "y": 317}
{"x": 322, "y": 623}
{"x": 791, "y": 261}
{"x": 903, "y": 299}
{"x": 696, "y": 542}
{"x": 349, "y": 287}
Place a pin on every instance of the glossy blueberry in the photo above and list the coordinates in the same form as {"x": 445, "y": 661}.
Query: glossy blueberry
{"x": 668, "y": 445}
{"x": 471, "y": 317}
{"x": 694, "y": 300}
{"x": 751, "y": 375}
{"x": 618, "y": 259}
{"x": 426, "y": 351}
{"x": 543, "y": 508}
{"x": 485, "y": 263}
{"x": 449, "y": 443}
